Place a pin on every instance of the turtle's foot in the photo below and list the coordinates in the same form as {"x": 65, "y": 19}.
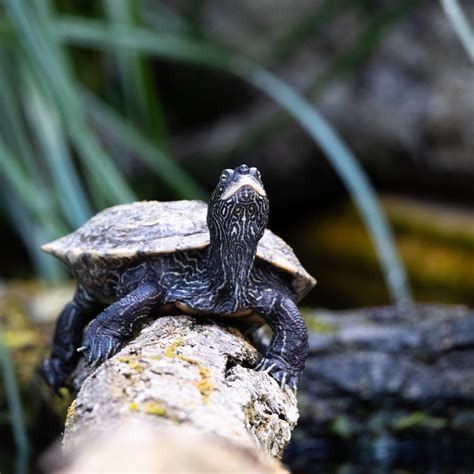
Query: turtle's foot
{"x": 55, "y": 371}
{"x": 280, "y": 371}
{"x": 97, "y": 346}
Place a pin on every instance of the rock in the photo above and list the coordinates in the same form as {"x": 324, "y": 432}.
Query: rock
{"x": 385, "y": 380}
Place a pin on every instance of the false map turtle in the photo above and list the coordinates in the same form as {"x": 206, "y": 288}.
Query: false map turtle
{"x": 149, "y": 258}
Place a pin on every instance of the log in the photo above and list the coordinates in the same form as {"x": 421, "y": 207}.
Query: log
{"x": 180, "y": 397}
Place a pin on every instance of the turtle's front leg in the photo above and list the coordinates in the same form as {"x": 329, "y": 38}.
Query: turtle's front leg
{"x": 116, "y": 324}
{"x": 67, "y": 336}
{"x": 286, "y": 355}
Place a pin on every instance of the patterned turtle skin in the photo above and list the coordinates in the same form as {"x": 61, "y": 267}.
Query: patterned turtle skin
{"x": 149, "y": 258}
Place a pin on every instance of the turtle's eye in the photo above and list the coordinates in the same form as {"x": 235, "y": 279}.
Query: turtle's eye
{"x": 255, "y": 172}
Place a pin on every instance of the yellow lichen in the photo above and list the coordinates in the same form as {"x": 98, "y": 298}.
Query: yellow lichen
{"x": 136, "y": 366}
{"x": 70, "y": 413}
{"x": 153, "y": 408}
{"x": 132, "y": 362}
{"x": 204, "y": 384}
{"x": 170, "y": 350}
{"x": 71, "y": 409}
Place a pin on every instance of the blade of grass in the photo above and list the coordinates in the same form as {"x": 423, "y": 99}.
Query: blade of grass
{"x": 461, "y": 26}
{"x": 50, "y": 135}
{"x": 178, "y": 48}
{"x": 33, "y": 236}
{"x": 11, "y": 120}
{"x": 129, "y": 138}
{"x": 106, "y": 180}
{"x": 141, "y": 97}
{"x": 32, "y": 22}
{"x": 33, "y": 214}
{"x": 119, "y": 12}
{"x": 98, "y": 34}
{"x": 32, "y": 198}
{"x": 17, "y": 417}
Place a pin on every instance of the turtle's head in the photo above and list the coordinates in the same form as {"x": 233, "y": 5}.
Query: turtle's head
{"x": 238, "y": 208}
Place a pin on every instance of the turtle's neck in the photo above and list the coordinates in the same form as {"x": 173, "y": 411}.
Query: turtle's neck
{"x": 230, "y": 263}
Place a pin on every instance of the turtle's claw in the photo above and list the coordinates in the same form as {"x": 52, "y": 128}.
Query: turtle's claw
{"x": 97, "y": 347}
{"x": 282, "y": 374}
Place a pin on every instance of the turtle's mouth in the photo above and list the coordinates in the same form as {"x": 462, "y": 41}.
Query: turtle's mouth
{"x": 247, "y": 184}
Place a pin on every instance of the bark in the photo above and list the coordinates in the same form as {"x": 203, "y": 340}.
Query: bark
{"x": 179, "y": 397}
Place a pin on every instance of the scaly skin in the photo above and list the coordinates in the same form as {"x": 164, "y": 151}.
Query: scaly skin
{"x": 221, "y": 280}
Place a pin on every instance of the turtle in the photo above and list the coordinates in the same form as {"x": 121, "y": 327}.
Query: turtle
{"x": 151, "y": 258}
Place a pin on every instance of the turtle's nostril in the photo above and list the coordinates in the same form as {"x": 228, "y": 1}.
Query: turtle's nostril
{"x": 243, "y": 169}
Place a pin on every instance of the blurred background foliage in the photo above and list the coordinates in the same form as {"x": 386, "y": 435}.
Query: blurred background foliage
{"x": 68, "y": 136}
{"x": 115, "y": 100}
{"x": 108, "y": 102}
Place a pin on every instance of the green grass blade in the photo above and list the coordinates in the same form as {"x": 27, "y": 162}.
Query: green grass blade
{"x": 97, "y": 34}
{"x": 33, "y": 234}
{"x": 341, "y": 158}
{"x": 120, "y": 12}
{"x": 12, "y": 124}
{"x": 47, "y": 128}
{"x": 32, "y": 198}
{"x": 13, "y": 398}
{"x": 141, "y": 97}
{"x": 33, "y": 214}
{"x": 29, "y": 210}
{"x": 129, "y": 138}
{"x": 461, "y": 25}
{"x": 30, "y": 22}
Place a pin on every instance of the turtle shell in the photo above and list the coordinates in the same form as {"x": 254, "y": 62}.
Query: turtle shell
{"x": 153, "y": 228}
